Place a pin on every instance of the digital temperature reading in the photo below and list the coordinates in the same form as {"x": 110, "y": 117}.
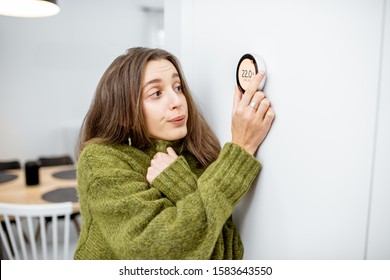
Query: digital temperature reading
{"x": 247, "y": 74}
{"x": 248, "y": 66}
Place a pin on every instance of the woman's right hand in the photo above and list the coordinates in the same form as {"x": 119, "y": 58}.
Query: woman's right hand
{"x": 250, "y": 125}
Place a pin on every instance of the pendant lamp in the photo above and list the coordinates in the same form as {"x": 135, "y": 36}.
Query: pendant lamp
{"x": 29, "y": 8}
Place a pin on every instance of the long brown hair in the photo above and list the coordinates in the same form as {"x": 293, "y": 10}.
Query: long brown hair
{"x": 116, "y": 111}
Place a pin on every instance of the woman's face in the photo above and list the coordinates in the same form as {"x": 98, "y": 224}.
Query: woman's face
{"x": 163, "y": 102}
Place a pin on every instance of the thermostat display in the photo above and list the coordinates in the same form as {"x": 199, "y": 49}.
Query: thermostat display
{"x": 248, "y": 66}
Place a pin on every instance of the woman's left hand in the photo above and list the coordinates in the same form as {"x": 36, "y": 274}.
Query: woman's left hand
{"x": 159, "y": 162}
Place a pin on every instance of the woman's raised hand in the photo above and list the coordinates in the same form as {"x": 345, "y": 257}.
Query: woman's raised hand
{"x": 159, "y": 162}
{"x": 252, "y": 116}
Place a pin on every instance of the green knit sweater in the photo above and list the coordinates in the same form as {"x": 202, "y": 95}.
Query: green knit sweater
{"x": 185, "y": 213}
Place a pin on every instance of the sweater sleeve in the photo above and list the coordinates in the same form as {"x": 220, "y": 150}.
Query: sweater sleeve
{"x": 176, "y": 181}
{"x": 234, "y": 167}
{"x": 176, "y": 217}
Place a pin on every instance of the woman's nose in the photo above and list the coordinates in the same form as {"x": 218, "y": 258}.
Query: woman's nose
{"x": 175, "y": 100}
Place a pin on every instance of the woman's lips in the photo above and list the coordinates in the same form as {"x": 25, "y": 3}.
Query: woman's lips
{"x": 178, "y": 120}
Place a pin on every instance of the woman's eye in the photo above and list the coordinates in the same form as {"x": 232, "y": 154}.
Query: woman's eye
{"x": 156, "y": 94}
{"x": 178, "y": 88}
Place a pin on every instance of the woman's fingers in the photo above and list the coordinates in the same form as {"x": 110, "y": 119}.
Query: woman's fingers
{"x": 256, "y": 100}
{"x": 159, "y": 162}
{"x": 171, "y": 152}
{"x": 237, "y": 98}
{"x": 269, "y": 117}
{"x": 252, "y": 88}
{"x": 263, "y": 107}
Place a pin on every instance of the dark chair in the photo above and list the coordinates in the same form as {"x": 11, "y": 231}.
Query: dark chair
{"x": 57, "y": 161}
{"x": 54, "y": 161}
{"x": 6, "y": 165}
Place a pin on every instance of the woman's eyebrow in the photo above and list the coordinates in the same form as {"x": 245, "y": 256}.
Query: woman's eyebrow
{"x": 175, "y": 75}
{"x": 155, "y": 81}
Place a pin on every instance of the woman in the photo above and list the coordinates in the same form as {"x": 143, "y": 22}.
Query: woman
{"x": 153, "y": 181}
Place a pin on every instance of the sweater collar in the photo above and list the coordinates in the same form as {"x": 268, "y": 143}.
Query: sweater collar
{"x": 162, "y": 145}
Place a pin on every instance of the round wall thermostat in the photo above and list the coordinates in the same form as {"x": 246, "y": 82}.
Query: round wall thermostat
{"x": 247, "y": 68}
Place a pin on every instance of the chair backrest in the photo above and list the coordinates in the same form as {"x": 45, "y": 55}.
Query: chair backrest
{"x": 6, "y": 165}
{"x": 21, "y": 222}
{"x": 57, "y": 160}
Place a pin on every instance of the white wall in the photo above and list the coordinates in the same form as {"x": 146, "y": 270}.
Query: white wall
{"x": 313, "y": 197}
{"x": 49, "y": 69}
{"x": 378, "y": 244}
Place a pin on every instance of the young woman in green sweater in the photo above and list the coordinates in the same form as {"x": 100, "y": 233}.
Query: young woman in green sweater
{"x": 153, "y": 182}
